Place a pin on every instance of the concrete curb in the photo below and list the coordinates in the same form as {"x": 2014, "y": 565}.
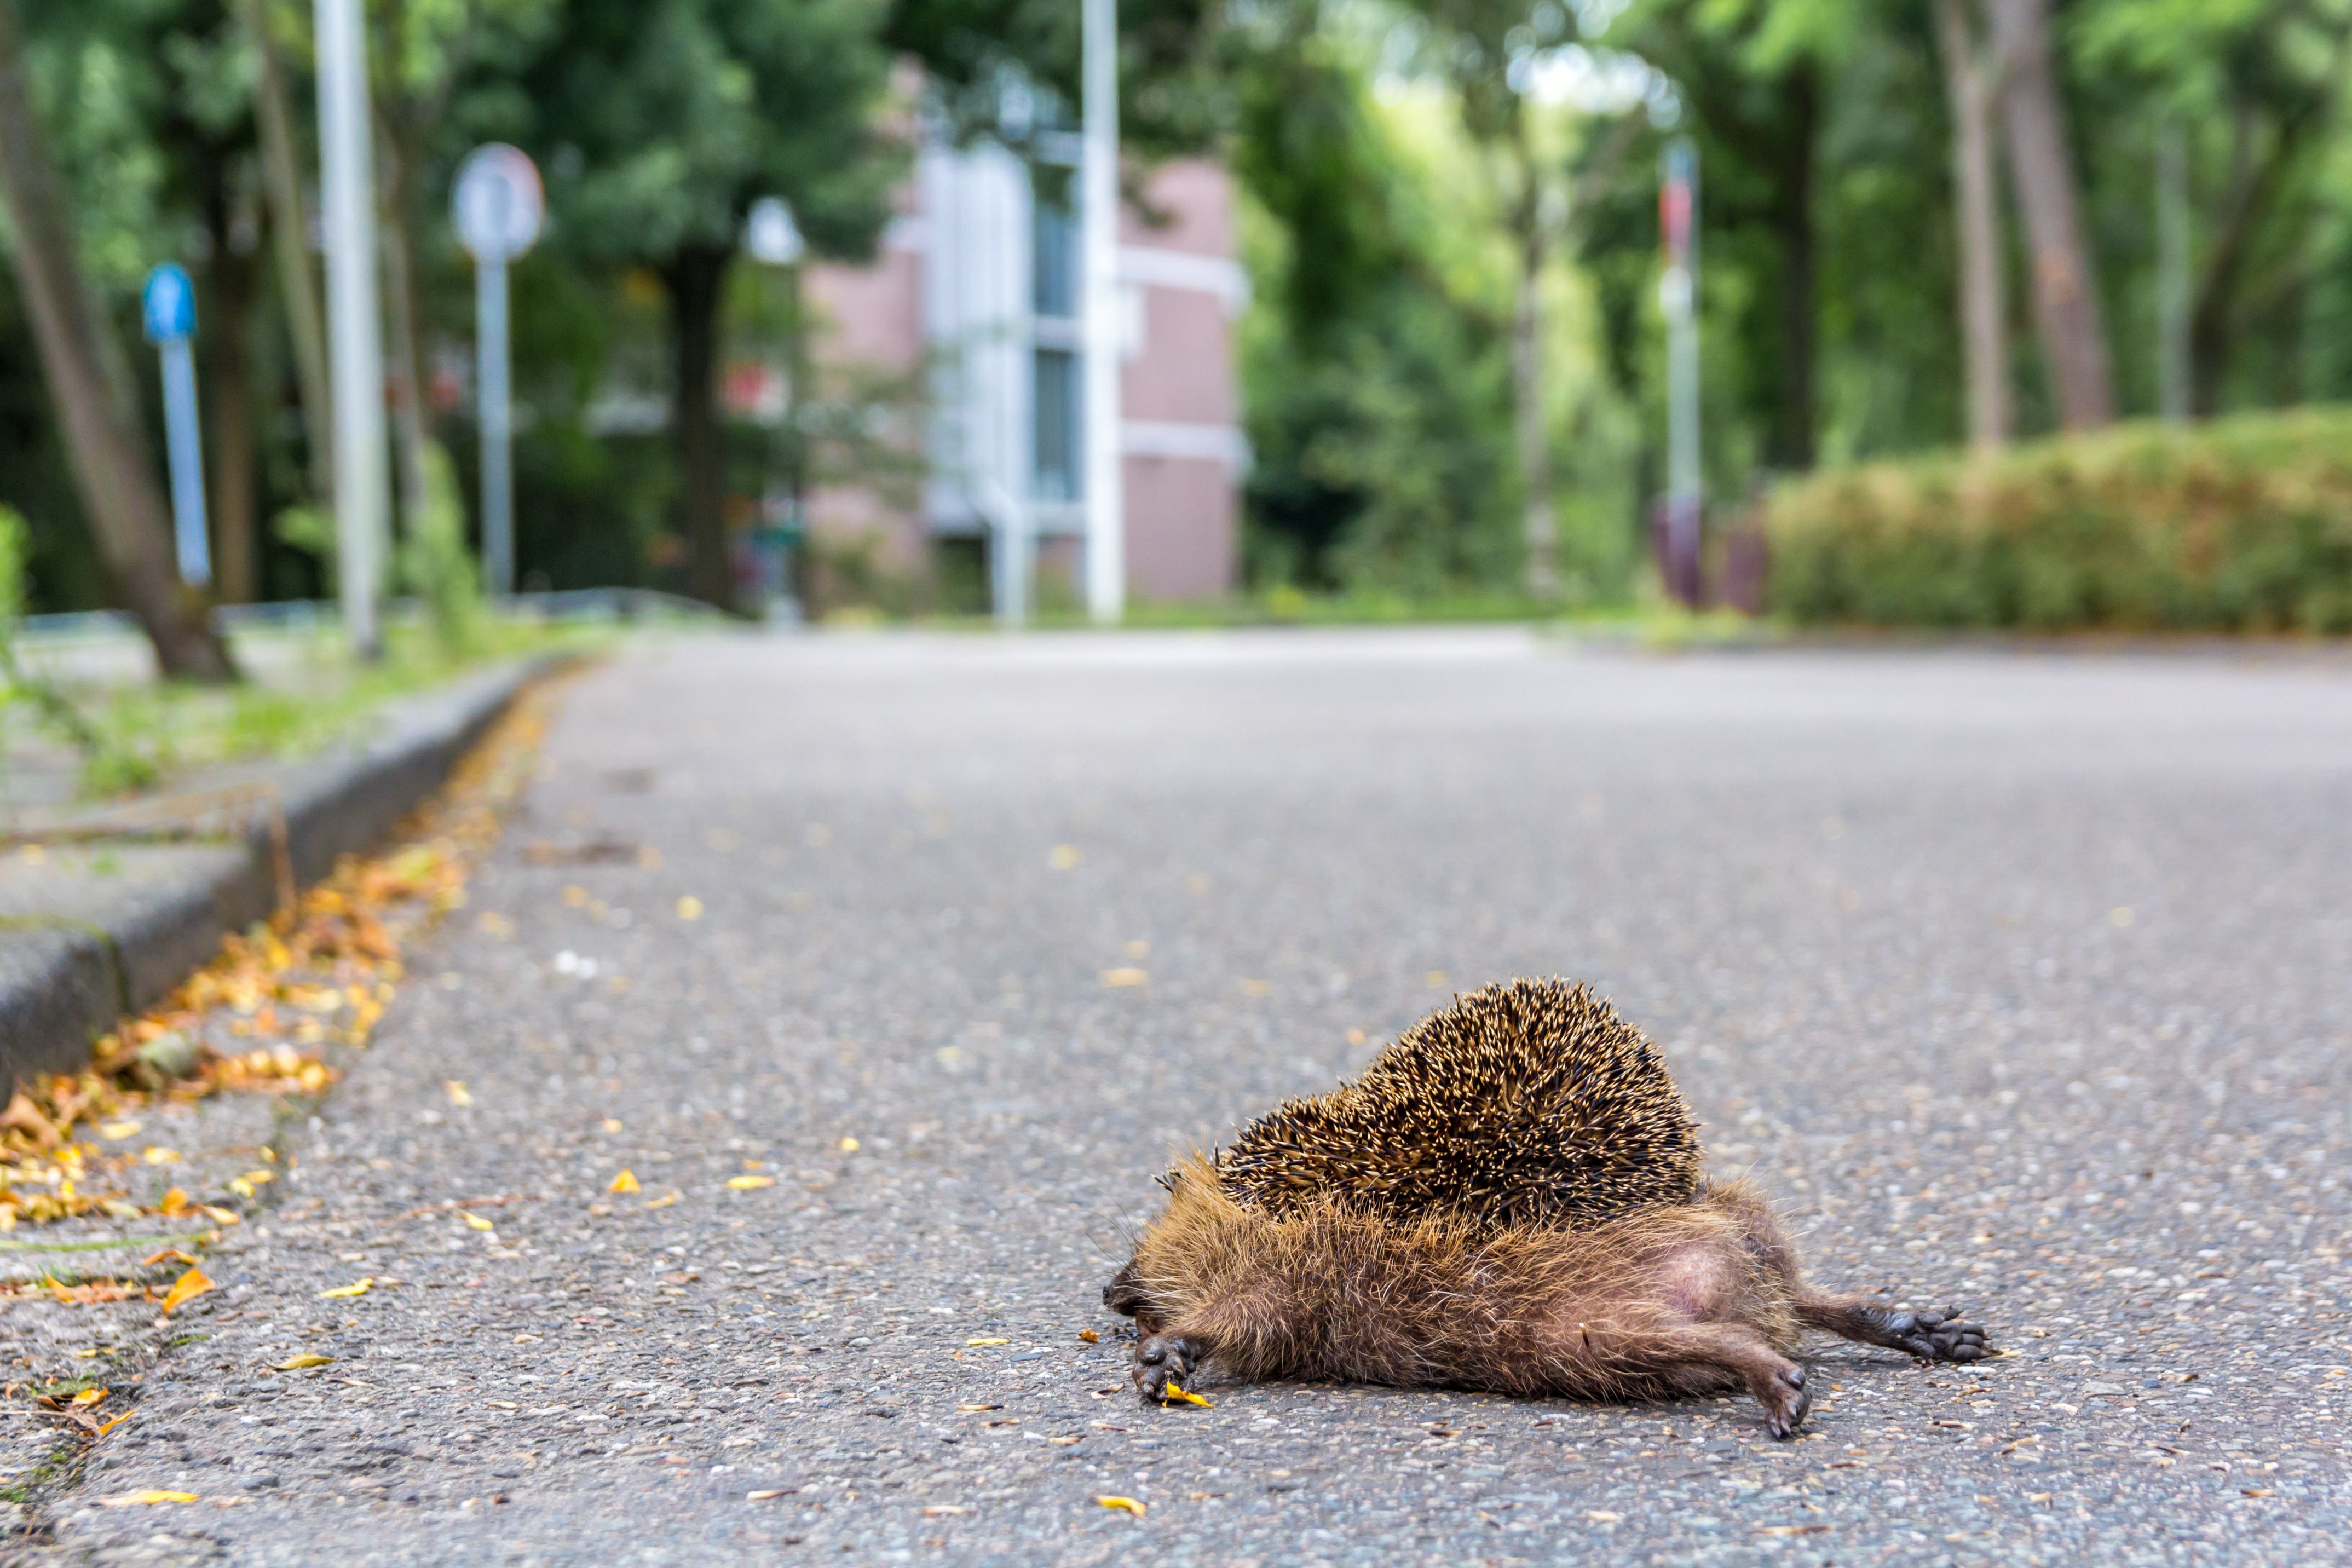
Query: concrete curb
{"x": 64, "y": 979}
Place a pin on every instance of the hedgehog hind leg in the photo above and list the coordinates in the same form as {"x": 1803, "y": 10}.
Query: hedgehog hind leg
{"x": 1929, "y": 1335}
{"x": 1708, "y": 1355}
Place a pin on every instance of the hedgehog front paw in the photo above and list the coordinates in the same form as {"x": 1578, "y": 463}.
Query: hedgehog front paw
{"x": 1785, "y": 1399}
{"x": 1160, "y": 1360}
{"x": 1937, "y": 1336}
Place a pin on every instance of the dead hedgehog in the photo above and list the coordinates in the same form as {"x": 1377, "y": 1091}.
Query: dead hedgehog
{"x": 1510, "y": 1199}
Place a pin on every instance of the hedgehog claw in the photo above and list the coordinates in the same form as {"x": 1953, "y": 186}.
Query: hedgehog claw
{"x": 1786, "y": 1402}
{"x": 1160, "y": 1359}
{"x": 1937, "y": 1336}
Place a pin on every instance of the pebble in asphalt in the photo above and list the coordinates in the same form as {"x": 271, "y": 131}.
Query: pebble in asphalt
{"x": 2020, "y": 980}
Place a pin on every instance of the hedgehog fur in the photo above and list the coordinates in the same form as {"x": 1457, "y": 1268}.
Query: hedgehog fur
{"x": 1527, "y": 1104}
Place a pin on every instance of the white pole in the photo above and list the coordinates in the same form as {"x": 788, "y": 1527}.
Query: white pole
{"x": 498, "y": 425}
{"x": 184, "y": 450}
{"x": 1105, "y": 498}
{"x": 1679, "y": 293}
{"x": 353, "y": 329}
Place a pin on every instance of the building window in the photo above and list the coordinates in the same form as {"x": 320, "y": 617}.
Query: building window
{"x": 1053, "y": 290}
{"x": 1057, "y": 406}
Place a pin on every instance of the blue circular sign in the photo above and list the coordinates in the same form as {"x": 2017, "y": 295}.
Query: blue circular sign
{"x": 170, "y": 303}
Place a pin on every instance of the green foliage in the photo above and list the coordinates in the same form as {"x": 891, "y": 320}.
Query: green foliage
{"x": 2241, "y": 525}
{"x": 437, "y": 565}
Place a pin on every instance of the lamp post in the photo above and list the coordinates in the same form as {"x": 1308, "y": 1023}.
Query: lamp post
{"x": 1105, "y": 500}
{"x": 354, "y": 330}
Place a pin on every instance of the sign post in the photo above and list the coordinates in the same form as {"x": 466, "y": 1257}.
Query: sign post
{"x": 499, "y": 207}
{"x": 169, "y": 301}
{"x": 1678, "y": 297}
{"x": 1104, "y": 486}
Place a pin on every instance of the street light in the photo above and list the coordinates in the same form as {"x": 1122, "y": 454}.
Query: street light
{"x": 1105, "y": 500}
{"x": 355, "y": 343}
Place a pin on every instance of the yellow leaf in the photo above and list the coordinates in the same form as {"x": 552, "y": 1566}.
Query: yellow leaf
{"x": 849, "y": 1145}
{"x": 745, "y": 1183}
{"x": 1126, "y": 1503}
{"x": 184, "y": 1290}
{"x": 626, "y": 1182}
{"x": 106, "y": 1427}
{"x": 1065, "y": 856}
{"x": 612, "y": 1124}
{"x": 988, "y": 1342}
{"x": 477, "y": 1221}
{"x": 138, "y": 1498}
{"x": 220, "y": 1216}
{"x": 169, "y": 1254}
{"x": 116, "y": 1131}
{"x": 1090, "y": 1336}
{"x": 459, "y": 1094}
{"x": 257, "y": 1177}
{"x": 89, "y": 1397}
{"x": 663, "y": 1202}
{"x": 358, "y": 1288}
{"x": 307, "y": 1359}
{"x": 157, "y": 1156}
{"x": 1176, "y": 1393}
{"x": 765, "y": 1494}
{"x": 689, "y": 908}
{"x": 240, "y": 1187}
{"x": 1118, "y": 978}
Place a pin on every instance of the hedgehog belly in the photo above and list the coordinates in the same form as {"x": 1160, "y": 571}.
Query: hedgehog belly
{"x": 1527, "y": 1103}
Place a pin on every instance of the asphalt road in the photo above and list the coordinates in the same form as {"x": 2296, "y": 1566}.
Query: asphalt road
{"x": 2023, "y": 982}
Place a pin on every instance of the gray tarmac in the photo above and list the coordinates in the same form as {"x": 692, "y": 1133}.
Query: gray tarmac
{"x": 2023, "y": 981}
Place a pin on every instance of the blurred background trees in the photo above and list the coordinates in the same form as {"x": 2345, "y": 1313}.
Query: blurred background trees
{"x": 1920, "y": 220}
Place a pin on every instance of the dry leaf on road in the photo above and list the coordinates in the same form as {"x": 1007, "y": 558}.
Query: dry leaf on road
{"x": 746, "y": 1184}
{"x": 477, "y": 1221}
{"x": 89, "y": 1397}
{"x": 357, "y": 1288}
{"x": 988, "y": 1342}
{"x": 1175, "y": 1392}
{"x": 1126, "y": 1503}
{"x": 626, "y": 1182}
{"x": 140, "y": 1499}
{"x": 307, "y": 1359}
{"x": 184, "y": 1290}
{"x": 459, "y": 1094}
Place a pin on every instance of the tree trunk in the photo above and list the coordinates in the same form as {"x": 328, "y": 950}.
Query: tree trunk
{"x": 2065, "y": 290}
{"x": 111, "y": 468}
{"x": 229, "y": 280}
{"x": 1791, "y": 432}
{"x": 1976, "y": 217}
{"x": 696, "y": 276}
{"x": 290, "y": 230}
{"x": 1540, "y": 528}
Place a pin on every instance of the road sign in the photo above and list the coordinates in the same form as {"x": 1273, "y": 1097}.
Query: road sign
{"x": 170, "y": 303}
{"x": 498, "y": 202}
{"x": 499, "y": 207}
{"x": 769, "y": 232}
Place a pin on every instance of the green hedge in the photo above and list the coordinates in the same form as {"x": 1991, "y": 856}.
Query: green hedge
{"x": 2242, "y": 524}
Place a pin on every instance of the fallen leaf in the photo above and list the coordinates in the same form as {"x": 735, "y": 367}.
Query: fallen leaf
{"x": 172, "y": 1202}
{"x": 1064, "y": 856}
{"x": 155, "y": 1155}
{"x": 1600, "y": 1516}
{"x": 626, "y": 1182}
{"x": 767, "y": 1494}
{"x": 1793, "y": 1530}
{"x": 746, "y": 1184}
{"x": 475, "y": 1220}
{"x": 184, "y": 1290}
{"x": 140, "y": 1499}
{"x": 89, "y": 1397}
{"x": 1126, "y": 1503}
{"x": 116, "y": 1131}
{"x": 944, "y": 1510}
{"x": 689, "y": 908}
{"x": 307, "y": 1359}
{"x": 2257, "y": 1492}
{"x": 1118, "y": 978}
{"x": 458, "y": 1092}
{"x": 849, "y": 1145}
{"x": 612, "y": 1124}
{"x": 357, "y": 1288}
{"x": 1176, "y": 1393}
{"x": 106, "y": 1427}
{"x": 972, "y": 1407}
{"x": 169, "y": 1254}
{"x": 1089, "y": 1337}
{"x": 1064, "y": 1442}
{"x": 988, "y": 1342}
{"x": 663, "y": 1202}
